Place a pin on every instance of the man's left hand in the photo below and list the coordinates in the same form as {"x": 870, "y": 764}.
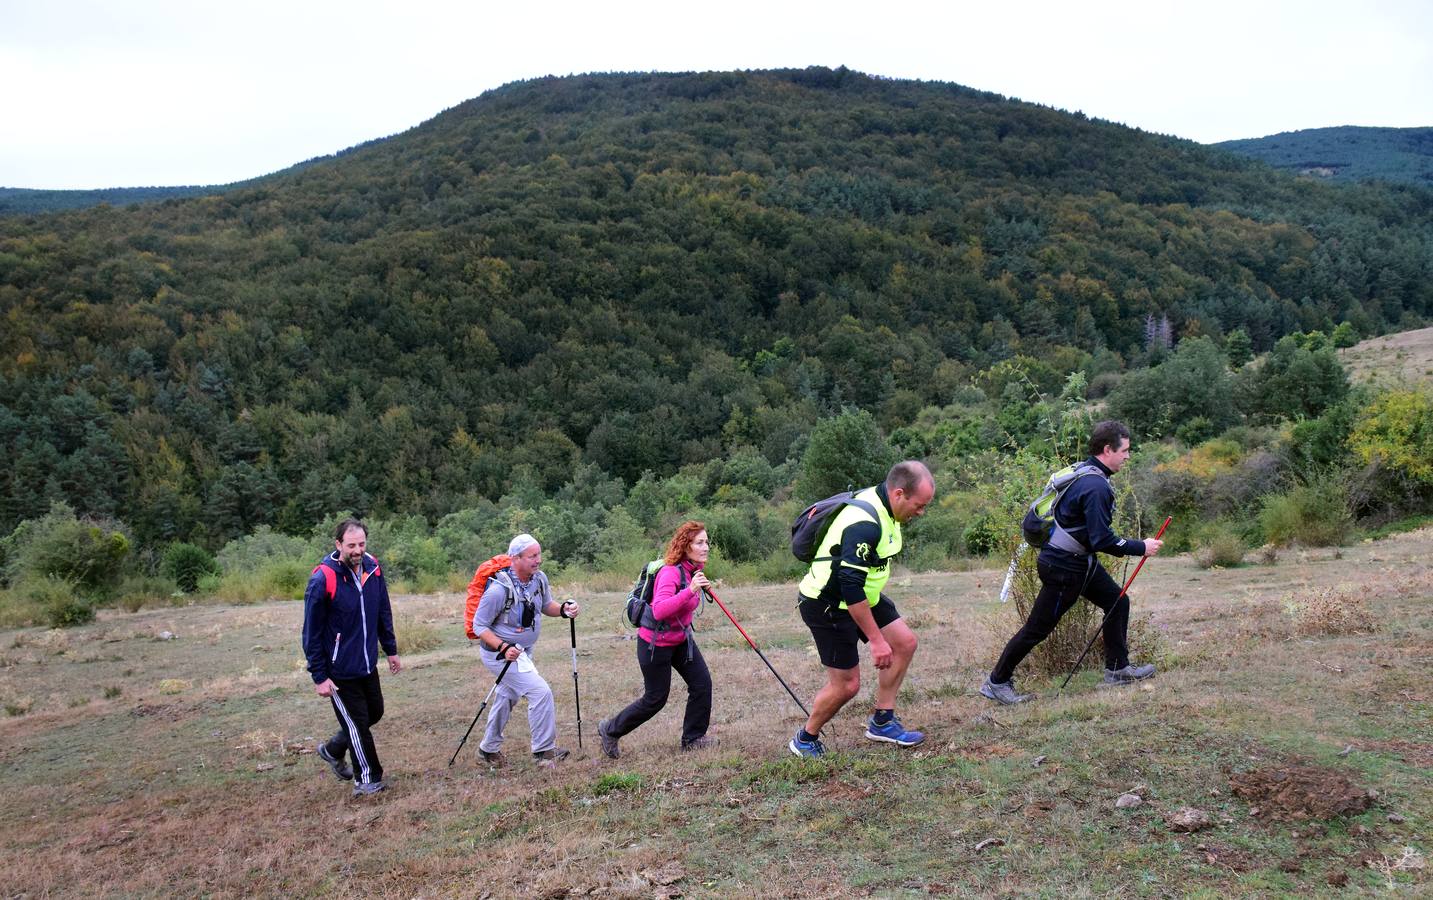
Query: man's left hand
{"x": 395, "y": 665}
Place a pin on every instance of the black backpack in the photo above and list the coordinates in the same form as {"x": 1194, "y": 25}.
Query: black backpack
{"x": 639, "y": 600}
{"x": 811, "y": 525}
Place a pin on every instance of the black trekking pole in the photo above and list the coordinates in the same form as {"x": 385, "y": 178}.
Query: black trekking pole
{"x": 480, "y": 712}
{"x": 712, "y": 594}
{"x": 576, "y": 694}
{"x": 1123, "y": 592}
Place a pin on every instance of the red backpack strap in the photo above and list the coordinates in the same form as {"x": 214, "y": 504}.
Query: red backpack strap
{"x": 330, "y": 580}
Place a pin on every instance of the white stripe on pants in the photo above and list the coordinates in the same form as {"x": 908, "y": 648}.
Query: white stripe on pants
{"x": 365, "y": 774}
{"x": 541, "y": 715}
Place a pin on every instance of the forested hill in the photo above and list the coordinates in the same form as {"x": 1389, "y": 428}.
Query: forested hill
{"x": 27, "y": 201}
{"x": 1346, "y": 153}
{"x": 635, "y": 271}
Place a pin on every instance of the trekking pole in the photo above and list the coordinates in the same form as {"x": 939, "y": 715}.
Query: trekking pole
{"x": 712, "y": 594}
{"x": 480, "y": 712}
{"x": 1123, "y": 591}
{"x": 576, "y": 694}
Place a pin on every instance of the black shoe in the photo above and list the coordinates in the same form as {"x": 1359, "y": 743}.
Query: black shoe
{"x": 493, "y": 758}
{"x": 341, "y": 771}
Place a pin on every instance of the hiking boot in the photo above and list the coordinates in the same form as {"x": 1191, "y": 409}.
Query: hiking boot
{"x": 493, "y": 758}
{"x": 811, "y": 749}
{"x": 609, "y": 743}
{"x": 1129, "y": 674}
{"x": 701, "y": 743}
{"x": 363, "y": 790}
{"x": 551, "y": 757}
{"x": 1002, "y": 692}
{"x": 893, "y": 732}
{"x": 341, "y": 769}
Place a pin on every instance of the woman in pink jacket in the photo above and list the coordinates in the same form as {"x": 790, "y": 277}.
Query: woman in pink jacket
{"x": 671, "y": 645}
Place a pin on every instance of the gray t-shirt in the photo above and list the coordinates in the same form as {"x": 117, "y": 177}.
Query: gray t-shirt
{"x": 504, "y": 601}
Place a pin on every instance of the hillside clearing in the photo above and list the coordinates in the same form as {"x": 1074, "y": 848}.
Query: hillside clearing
{"x": 147, "y": 766}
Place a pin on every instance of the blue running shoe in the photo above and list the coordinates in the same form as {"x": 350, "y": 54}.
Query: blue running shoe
{"x": 893, "y": 732}
{"x": 811, "y": 749}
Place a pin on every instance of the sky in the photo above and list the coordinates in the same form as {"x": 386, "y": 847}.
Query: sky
{"x": 122, "y": 93}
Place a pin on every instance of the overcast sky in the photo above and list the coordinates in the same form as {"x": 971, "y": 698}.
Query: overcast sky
{"x": 110, "y": 93}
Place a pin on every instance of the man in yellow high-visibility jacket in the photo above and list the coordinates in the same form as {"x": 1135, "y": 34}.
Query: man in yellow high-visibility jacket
{"x": 841, "y": 602}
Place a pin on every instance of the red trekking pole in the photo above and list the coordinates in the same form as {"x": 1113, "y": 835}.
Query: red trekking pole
{"x": 712, "y": 594}
{"x": 1123, "y": 591}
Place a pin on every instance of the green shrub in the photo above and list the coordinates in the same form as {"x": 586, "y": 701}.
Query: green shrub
{"x": 1313, "y": 515}
{"x": 1219, "y": 545}
{"x": 265, "y": 546}
{"x": 90, "y": 555}
{"x": 846, "y": 450}
{"x": 186, "y": 564}
{"x": 57, "y": 600}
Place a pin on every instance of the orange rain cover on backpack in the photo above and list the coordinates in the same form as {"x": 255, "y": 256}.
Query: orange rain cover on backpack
{"x": 479, "y": 584}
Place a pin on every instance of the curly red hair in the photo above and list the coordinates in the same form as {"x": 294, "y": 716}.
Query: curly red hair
{"x": 681, "y": 541}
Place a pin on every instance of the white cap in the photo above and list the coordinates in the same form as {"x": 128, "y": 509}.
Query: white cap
{"x": 521, "y": 543}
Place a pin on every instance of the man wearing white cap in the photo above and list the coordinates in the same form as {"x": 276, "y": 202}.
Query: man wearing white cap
{"x": 507, "y": 625}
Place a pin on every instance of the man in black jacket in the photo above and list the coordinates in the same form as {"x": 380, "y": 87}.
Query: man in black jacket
{"x": 347, "y": 615}
{"x": 1084, "y": 514}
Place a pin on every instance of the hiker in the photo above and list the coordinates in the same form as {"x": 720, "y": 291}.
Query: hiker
{"x": 1069, "y": 568}
{"x": 841, "y": 602}
{"x": 668, "y": 643}
{"x": 508, "y": 625}
{"x": 346, "y": 617}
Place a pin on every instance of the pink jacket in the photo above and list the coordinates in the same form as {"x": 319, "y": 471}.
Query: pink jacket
{"x": 672, "y": 605}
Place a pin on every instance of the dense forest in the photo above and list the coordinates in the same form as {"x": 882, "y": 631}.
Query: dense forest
{"x": 585, "y": 279}
{"x": 1346, "y": 153}
{"x": 29, "y": 201}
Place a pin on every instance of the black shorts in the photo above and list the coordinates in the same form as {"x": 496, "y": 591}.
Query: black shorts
{"x": 837, "y": 635}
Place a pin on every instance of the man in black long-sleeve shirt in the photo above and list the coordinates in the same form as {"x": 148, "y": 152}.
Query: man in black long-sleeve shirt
{"x": 1084, "y": 513}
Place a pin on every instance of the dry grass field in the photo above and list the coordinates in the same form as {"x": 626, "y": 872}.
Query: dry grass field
{"x": 1404, "y": 357}
{"x": 135, "y": 765}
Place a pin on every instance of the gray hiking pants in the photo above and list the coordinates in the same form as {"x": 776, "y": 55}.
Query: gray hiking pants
{"x": 522, "y": 680}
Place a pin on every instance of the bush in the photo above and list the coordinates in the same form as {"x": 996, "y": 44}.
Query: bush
{"x": 90, "y": 555}
{"x": 58, "y": 601}
{"x": 845, "y": 451}
{"x": 186, "y": 564}
{"x": 1331, "y": 611}
{"x": 265, "y": 546}
{"x": 1312, "y": 515}
{"x": 1219, "y": 545}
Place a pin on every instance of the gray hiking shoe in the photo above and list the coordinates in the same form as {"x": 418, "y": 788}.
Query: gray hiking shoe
{"x": 701, "y": 743}
{"x": 341, "y": 769}
{"x": 493, "y": 758}
{"x": 609, "y": 743}
{"x": 1129, "y": 674}
{"x": 363, "y": 790}
{"x": 1002, "y": 693}
{"x": 551, "y": 757}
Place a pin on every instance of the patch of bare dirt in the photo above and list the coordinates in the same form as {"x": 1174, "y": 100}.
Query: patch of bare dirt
{"x": 1299, "y": 793}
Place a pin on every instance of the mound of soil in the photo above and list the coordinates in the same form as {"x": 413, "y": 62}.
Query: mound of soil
{"x": 1299, "y": 793}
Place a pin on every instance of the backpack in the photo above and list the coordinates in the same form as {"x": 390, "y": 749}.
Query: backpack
{"x": 811, "y": 525}
{"x": 1039, "y": 525}
{"x": 639, "y": 599}
{"x": 478, "y": 585}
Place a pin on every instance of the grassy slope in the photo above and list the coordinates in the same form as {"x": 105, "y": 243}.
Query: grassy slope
{"x": 1404, "y": 357}
{"x": 204, "y": 789}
